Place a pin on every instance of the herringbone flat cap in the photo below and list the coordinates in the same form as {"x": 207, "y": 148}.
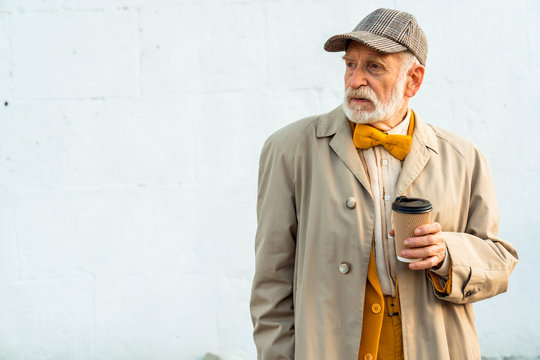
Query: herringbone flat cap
{"x": 387, "y": 31}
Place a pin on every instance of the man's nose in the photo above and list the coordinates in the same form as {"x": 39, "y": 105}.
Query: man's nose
{"x": 356, "y": 79}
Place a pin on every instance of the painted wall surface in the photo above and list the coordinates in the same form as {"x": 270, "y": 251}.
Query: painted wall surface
{"x": 130, "y": 132}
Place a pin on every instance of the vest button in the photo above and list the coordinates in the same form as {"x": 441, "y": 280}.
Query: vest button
{"x": 350, "y": 203}
{"x": 376, "y": 308}
{"x": 344, "y": 267}
{"x": 368, "y": 356}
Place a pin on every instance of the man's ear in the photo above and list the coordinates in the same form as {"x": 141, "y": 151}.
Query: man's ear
{"x": 416, "y": 76}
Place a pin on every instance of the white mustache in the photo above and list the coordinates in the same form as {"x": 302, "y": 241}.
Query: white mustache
{"x": 362, "y": 92}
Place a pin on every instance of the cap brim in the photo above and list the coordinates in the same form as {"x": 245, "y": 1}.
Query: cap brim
{"x": 379, "y": 43}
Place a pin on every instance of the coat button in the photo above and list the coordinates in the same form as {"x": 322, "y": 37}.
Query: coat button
{"x": 376, "y": 308}
{"x": 344, "y": 267}
{"x": 368, "y": 356}
{"x": 351, "y": 203}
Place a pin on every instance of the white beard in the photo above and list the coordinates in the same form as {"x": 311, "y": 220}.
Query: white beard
{"x": 359, "y": 115}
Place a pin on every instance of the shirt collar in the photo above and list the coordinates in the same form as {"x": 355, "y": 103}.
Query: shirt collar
{"x": 403, "y": 127}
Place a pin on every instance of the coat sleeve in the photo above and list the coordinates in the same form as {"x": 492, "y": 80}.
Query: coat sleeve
{"x": 481, "y": 262}
{"x": 271, "y": 303}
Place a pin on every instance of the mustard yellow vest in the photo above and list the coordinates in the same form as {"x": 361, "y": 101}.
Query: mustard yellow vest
{"x": 381, "y": 330}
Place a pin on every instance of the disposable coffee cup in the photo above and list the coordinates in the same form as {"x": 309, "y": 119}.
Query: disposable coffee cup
{"x": 407, "y": 215}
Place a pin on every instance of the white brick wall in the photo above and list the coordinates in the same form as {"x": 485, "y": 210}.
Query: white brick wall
{"x": 129, "y": 139}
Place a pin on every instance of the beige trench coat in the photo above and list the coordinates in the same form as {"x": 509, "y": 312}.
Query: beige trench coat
{"x": 303, "y": 307}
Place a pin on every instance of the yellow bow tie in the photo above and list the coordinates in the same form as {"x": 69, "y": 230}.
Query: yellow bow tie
{"x": 366, "y": 136}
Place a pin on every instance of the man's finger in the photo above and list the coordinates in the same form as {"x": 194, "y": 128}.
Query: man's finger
{"x": 423, "y": 252}
{"x": 424, "y": 264}
{"x": 427, "y": 229}
{"x": 420, "y": 241}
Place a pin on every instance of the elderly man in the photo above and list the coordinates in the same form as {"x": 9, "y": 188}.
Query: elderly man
{"x": 328, "y": 282}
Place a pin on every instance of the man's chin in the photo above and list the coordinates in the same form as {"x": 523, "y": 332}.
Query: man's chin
{"x": 358, "y": 116}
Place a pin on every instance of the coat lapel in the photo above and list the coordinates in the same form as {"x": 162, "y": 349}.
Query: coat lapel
{"x": 423, "y": 146}
{"x": 335, "y": 123}
{"x": 424, "y": 142}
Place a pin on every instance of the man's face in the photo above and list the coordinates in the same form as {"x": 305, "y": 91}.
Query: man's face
{"x": 374, "y": 84}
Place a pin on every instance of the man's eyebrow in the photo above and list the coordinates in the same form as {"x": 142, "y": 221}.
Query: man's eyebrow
{"x": 372, "y": 58}
{"x": 378, "y": 59}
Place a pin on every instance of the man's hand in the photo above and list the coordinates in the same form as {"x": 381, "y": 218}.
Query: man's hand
{"x": 428, "y": 245}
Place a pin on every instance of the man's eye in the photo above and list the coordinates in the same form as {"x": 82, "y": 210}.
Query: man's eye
{"x": 350, "y": 65}
{"x": 375, "y": 66}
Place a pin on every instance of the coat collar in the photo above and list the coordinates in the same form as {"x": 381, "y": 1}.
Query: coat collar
{"x": 424, "y": 145}
{"x": 335, "y": 124}
{"x": 331, "y": 122}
